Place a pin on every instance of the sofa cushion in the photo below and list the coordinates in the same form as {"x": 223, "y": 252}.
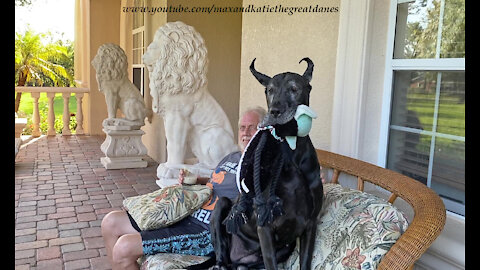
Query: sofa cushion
{"x": 166, "y": 206}
{"x": 164, "y": 261}
{"x": 355, "y": 231}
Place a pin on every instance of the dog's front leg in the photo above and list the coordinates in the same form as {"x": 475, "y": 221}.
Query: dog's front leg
{"x": 307, "y": 243}
{"x": 265, "y": 236}
{"x": 220, "y": 238}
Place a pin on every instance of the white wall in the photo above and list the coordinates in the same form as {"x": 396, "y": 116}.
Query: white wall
{"x": 278, "y": 42}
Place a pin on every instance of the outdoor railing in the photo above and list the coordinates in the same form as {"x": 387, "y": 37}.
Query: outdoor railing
{"x": 51, "y": 91}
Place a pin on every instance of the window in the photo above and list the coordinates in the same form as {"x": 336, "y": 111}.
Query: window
{"x": 427, "y": 118}
{"x": 138, "y": 48}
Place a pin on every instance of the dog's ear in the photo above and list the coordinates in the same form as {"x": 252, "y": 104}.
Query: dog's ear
{"x": 308, "y": 72}
{"x": 262, "y": 78}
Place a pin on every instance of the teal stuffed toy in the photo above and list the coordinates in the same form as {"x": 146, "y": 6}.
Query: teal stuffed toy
{"x": 303, "y": 116}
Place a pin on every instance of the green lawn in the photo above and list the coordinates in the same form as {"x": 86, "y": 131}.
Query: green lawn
{"x": 26, "y": 104}
{"x": 25, "y": 110}
{"x": 451, "y": 112}
{"x": 451, "y": 121}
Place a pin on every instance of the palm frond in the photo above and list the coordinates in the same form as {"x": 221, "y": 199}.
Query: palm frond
{"x": 51, "y": 63}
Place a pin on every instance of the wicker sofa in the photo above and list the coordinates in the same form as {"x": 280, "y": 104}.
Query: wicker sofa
{"x": 401, "y": 252}
{"x": 430, "y": 213}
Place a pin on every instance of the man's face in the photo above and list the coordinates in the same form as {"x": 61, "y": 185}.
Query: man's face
{"x": 247, "y": 128}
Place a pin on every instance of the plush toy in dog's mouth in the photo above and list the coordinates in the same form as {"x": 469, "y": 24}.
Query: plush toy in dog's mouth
{"x": 298, "y": 125}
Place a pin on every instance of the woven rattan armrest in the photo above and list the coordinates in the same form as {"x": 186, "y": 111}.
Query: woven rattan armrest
{"x": 429, "y": 210}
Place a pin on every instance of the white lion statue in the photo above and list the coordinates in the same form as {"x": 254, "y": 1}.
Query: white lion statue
{"x": 110, "y": 64}
{"x": 177, "y": 64}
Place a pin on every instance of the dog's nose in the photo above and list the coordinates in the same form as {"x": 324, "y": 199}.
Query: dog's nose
{"x": 275, "y": 112}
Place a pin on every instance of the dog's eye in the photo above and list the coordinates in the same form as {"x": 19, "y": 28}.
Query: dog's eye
{"x": 293, "y": 89}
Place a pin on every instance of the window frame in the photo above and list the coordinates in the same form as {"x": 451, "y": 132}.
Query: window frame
{"x": 139, "y": 30}
{"x": 423, "y": 64}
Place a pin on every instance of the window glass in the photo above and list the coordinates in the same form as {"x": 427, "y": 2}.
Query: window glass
{"x": 137, "y": 47}
{"x": 448, "y": 174}
{"x": 414, "y": 99}
{"x": 427, "y": 118}
{"x": 453, "y": 31}
{"x": 409, "y": 154}
{"x": 137, "y": 78}
{"x": 427, "y": 131}
{"x": 417, "y": 31}
{"x": 451, "y": 111}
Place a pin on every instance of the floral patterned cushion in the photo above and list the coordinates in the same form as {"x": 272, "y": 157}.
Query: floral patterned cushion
{"x": 166, "y": 206}
{"x": 164, "y": 261}
{"x": 355, "y": 231}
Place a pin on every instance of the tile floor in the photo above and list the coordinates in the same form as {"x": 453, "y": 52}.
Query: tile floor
{"x": 62, "y": 192}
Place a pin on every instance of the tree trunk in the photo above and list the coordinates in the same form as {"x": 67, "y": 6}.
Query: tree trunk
{"x": 18, "y": 97}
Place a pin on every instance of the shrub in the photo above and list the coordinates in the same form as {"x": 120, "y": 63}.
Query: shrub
{"x": 58, "y": 123}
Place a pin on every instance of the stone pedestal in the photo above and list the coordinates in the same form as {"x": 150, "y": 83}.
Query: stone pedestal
{"x": 20, "y": 124}
{"x": 123, "y": 147}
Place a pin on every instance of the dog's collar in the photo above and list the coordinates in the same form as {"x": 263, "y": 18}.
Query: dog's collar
{"x": 272, "y": 131}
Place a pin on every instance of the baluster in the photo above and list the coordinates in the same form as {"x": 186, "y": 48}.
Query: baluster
{"x": 51, "y": 115}
{"x": 36, "y": 116}
{"x": 66, "y": 114}
{"x": 79, "y": 115}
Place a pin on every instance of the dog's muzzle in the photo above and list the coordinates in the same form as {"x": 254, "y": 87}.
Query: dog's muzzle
{"x": 274, "y": 117}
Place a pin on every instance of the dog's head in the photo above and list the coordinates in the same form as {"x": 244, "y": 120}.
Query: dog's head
{"x": 284, "y": 92}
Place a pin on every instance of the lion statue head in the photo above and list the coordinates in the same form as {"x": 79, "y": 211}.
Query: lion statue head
{"x": 110, "y": 63}
{"x": 176, "y": 60}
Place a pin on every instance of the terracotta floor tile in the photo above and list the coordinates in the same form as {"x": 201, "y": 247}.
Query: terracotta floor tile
{"x": 62, "y": 192}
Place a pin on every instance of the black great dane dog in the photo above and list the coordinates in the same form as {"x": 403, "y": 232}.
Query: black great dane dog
{"x": 281, "y": 188}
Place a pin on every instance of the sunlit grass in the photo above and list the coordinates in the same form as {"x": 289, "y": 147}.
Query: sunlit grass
{"x": 25, "y": 110}
{"x": 26, "y": 104}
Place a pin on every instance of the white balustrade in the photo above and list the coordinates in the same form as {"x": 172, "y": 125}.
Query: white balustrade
{"x": 51, "y": 114}
{"x": 51, "y": 91}
{"x": 36, "y": 115}
{"x": 66, "y": 116}
{"x": 79, "y": 115}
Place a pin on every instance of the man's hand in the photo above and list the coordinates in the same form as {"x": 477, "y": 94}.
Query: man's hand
{"x": 187, "y": 178}
{"x": 181, "y": 176}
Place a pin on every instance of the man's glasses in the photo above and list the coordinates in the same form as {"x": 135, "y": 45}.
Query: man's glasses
{"x": 250, "y": 128}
